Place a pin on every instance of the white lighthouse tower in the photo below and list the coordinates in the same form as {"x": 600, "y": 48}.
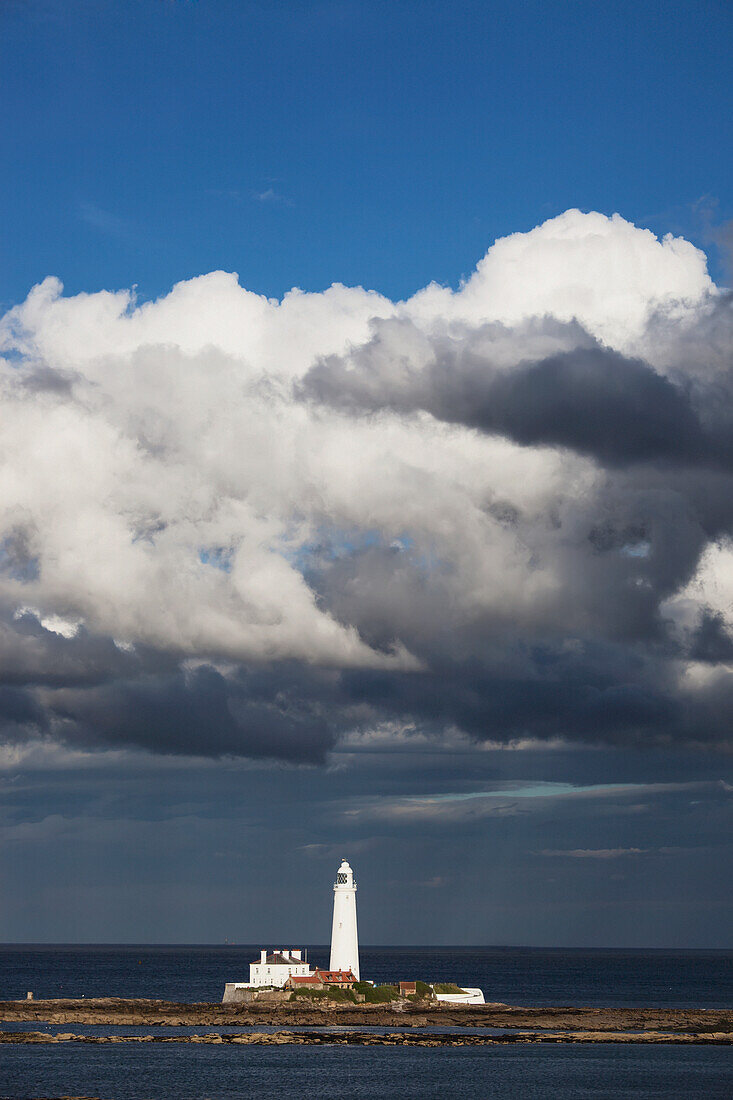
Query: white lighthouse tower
{"x": 344, "y": 940}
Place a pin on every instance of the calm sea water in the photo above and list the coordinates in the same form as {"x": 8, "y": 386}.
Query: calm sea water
{"x": 514, "y": 975}
{"x": 242, "y": 1073}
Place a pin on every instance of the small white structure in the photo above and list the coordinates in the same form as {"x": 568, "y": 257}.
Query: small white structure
{"x": 344, "y": 939}
{"x": 275, "y": 968}
{"x": 469, "y": 996}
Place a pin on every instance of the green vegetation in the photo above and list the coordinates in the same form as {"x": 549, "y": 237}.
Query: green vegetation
{"x": 377, "y": 994}
{"x": 324, "y": 995}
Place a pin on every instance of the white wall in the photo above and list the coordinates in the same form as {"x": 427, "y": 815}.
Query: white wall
{"x": 275, "y": 973}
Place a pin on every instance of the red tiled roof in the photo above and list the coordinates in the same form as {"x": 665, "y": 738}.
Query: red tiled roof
{"x": 336, "y": 975}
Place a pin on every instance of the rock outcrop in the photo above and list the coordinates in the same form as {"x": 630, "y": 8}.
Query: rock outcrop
{"x": 293, "y": 1014}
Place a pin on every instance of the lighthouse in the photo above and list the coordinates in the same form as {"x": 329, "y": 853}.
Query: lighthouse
{"x": 344, "y": 940}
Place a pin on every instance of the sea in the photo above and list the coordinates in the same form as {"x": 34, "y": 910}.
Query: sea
{"x": 513, "y": 975}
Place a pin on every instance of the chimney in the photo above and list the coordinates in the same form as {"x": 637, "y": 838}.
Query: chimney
{"x": 263, "y": 956}
{"x": 297, "y": 953}
{"x": 286, "y": 952}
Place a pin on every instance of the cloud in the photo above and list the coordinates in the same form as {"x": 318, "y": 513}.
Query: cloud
{"x": 592, "y": 853}
{"x": 111, "y": 225}
{"x": 236, "y": 526}
{"x": 588, "y": 398}
{"x": 272, "y": 197}
{"x": 457, "y": 809}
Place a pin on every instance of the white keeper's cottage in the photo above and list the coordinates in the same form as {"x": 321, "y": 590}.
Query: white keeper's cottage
{"x": 275, "y": 968}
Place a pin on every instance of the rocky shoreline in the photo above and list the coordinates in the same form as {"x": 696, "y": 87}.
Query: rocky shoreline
{"x": 522, "y": 1024}
{"x": 364, "y": 1038}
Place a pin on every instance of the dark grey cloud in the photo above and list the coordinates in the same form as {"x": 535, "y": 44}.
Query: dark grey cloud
{"x": 87, "y": 692}
{"x": 587, "y": 692}
{"x": 586, "y": 397}
{"x": 604, "y": 665}
{"x": 599, "y": 666}
{"x": 39, "y": 378}
{"x": 712, "y": 641}
{"x": 17, "y": 559}
{"x": 258, "y": 713}
{"x": 36, "y": 657}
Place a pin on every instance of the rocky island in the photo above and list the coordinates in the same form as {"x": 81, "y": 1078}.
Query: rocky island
{"x": 508, "y": 1024}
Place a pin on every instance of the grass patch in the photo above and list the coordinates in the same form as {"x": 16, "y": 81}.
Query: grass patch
{"x": 377, "y": 994}
{"x": 324, "y": 995}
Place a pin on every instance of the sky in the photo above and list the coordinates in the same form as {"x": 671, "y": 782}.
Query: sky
{"x": 366, "y": 471}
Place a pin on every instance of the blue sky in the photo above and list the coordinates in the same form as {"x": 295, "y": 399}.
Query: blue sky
{"x": 375, "y": 143}
{"x": 471, "y": 621}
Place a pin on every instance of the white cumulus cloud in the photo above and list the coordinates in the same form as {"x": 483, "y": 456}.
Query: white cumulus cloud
{"x": 172, "y": 479}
